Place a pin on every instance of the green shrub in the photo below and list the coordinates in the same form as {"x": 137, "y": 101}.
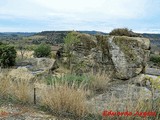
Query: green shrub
{"x": 70, "y": 79}
{"x": 43, "y": 50}
{"x": 124, "y": 32}
{"x": 155, "y": 59}
{"x": 7, "y": 55}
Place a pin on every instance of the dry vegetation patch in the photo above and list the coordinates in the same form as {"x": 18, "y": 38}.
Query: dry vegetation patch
{"x": 68, "y": 95}
{"x": 65, "y": 100}
{"x": 27, "y": 54}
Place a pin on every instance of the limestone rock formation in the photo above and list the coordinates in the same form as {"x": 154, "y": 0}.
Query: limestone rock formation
{"x": 124, "y": 57}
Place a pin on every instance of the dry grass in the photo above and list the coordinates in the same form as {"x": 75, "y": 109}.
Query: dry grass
{"x": 67, "y": 100}
{"x": 71, "y": 99}
{"x": 61, "y": 98}
{"x": 99, "y": 81}
{"x": 22, "y": 90}
{"x": 4, "y": 85}
{"x": 19, "y": 87}
{"x": 27, "y": 54}
{"x": 63, "y": 70}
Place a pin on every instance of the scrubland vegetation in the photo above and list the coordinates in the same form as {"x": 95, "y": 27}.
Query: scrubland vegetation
{"x": 66, "y": 95}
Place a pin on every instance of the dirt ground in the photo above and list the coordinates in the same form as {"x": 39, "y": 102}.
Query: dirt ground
{"x": 19, "y": 112}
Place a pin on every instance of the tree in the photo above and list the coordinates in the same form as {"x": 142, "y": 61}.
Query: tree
{"x": 22, "y": 47}
{"x": 69, "y": 41}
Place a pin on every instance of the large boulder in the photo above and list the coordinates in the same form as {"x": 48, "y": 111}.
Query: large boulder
{"x": 129, "y": 55}
{"x": 123, "y": 57}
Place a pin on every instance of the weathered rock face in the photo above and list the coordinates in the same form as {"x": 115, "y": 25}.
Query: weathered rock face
{"x": 129, "y": 55}
{"x": 124, "y": 57}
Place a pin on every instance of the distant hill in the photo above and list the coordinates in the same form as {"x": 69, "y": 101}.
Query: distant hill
{"x": 93, "y": 32}
{"x": 155, "y": 38}
{"x": 2, "y": 34}
{"x": 56, "y": 37}
{"x": 53, "y": 37}
{"x": 151, "y": 36}
{"x": 17, "y": 34}
{"x": 65, "y": 32}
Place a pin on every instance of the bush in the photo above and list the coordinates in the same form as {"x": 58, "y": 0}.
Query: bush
{"x": 43, "y": 50}
{"x": 155, "y": 59}
{"x": 124, "y": 32}
{"x": 7, "y": 55}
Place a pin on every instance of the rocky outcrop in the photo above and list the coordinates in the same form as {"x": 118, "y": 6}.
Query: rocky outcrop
{"x": 120, "y": 94}
{"x": 153, "y": 71}
{"x": 124, "y": 57}
{"x": 37, "y": 65}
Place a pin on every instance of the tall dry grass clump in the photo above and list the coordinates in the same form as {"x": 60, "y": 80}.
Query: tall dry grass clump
{"x": 17, "y": 84}
{"x": 99, "y": 81}
{"x": 22, "y": 91}
{"x": 64, "y": 99}
{"x": 4, "y": 85}
{"x": 21, "y": 84}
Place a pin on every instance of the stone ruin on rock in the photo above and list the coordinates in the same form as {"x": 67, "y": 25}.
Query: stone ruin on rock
{"x": 123, "y": 57}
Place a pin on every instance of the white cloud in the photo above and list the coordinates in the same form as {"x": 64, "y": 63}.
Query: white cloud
{"x": 78, "y": 8}
{"x": 96, "y": 9}
{"x": 79, "y": 14}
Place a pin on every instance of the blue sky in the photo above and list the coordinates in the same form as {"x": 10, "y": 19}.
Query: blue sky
{"x": 101, "y": 15}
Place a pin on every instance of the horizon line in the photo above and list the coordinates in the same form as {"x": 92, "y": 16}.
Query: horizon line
{"x": 69, "y": 30}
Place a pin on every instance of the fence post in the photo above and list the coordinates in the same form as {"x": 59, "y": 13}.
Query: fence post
{"x": 34, "y": 95}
